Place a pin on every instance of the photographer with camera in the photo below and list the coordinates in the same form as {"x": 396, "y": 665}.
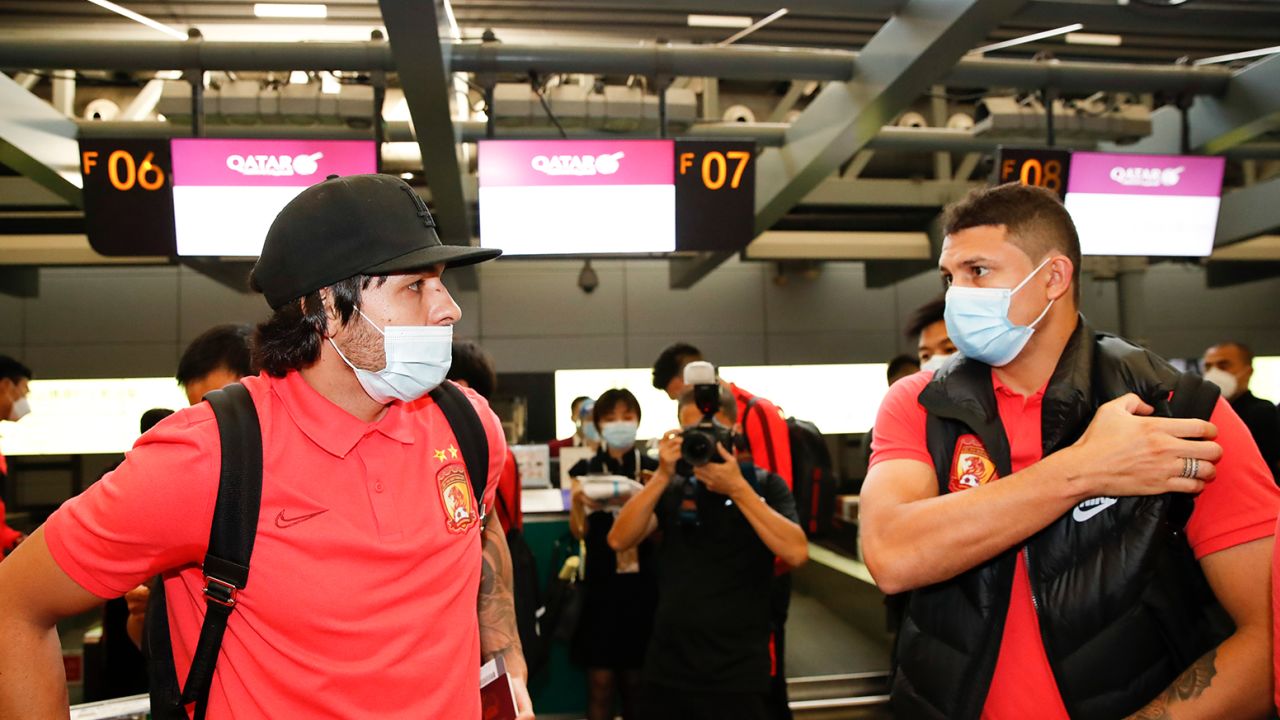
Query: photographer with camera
{"x": 722, "y": 524}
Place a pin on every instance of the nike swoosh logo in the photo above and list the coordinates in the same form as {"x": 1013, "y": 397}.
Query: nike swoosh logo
{"x": 1089, "y": 508}
{"x": 284, "y": 522}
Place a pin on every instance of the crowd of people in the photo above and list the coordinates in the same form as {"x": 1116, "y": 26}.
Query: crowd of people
{"x": 1066, "y": 524}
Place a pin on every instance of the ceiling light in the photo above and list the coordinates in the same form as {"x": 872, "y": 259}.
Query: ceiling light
{"x": 171, "y": 32}
{"x": 290, "y": 10}
{"x": 719, "y": 21}
{"x": 1028, "y": 38}
{"x": 299, "y": 77}
{"x": 1261, "y": 52}
{"x": 1093, "y": 39}
{"x": 406, "y": 176}
{"x": 748, "y": 30}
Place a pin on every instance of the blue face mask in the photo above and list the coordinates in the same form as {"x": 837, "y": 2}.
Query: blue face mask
{"x": 589, "y": 432}
{"x": 619, "y": 435}
{"x": 979, "y": 325}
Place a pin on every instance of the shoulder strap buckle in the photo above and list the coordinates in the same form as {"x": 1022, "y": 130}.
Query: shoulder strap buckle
{"x": 220, "y": 591}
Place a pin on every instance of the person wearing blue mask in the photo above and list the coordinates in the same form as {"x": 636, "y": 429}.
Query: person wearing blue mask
{"x": 620, "y": 590}
{"x": 1079, "y": 529}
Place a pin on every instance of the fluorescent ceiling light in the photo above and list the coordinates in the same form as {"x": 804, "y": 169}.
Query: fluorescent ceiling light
{"x": 290, "y": 10}
{"x": 299, "y": 77}
{"x": 1238, "y": 56}
{"x": 752, "y": 28}
{"x": 329, "y": 84}
{"x": 1028, "y": 38}
{"x": 1093, "y": 39}
{"x": 719, "y": 21}
{"x": 171, "y": 32}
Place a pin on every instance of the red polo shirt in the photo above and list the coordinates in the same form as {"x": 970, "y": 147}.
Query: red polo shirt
{"x": 362, "y": 591}
{"x": 765, "y": 419}
{"x": 1238, "y": 507}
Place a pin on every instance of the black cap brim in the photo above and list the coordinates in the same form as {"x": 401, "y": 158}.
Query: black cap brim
{"x": 422, "y": 258}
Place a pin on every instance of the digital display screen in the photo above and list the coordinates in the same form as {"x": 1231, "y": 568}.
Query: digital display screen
{"x": 226, "y": 193}
{"x": 577, "y": 197}
{"x": 1151, "y": 205}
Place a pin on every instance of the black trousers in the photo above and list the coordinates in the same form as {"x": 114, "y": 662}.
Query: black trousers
{"x": 661, "y": 702}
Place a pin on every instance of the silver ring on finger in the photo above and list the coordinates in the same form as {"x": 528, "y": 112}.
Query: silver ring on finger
{"x": 1186, "y": 468}
{"x": 1195, "y": 467}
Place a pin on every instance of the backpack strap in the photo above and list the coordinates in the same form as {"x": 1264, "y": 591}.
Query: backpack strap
{"x": 235, "y": 525}
{"x": 472, "y": 441}
{"x": 1192, "y": 398}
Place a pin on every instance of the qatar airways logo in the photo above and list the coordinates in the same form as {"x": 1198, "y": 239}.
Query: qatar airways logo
{"x": 577, "y": 165}
{"x": 275, "y": 165}
{"x": 1147, "y": 177}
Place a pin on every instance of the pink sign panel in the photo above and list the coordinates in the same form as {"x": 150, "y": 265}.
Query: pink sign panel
{"x": 544, "y": 163}
{"x": 1122, "y": 174}
{"x": 267, "y": 163}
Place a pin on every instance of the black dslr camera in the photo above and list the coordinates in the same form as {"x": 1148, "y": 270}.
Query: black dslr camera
{"x": 699, "y": 445}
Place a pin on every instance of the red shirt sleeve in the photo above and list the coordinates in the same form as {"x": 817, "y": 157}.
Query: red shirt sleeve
{"x": 1240, "y": 505}
{"x": 899, "y": 433}
{"x": 150, "y": 515}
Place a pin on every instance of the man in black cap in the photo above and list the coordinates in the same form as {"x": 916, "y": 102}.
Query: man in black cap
{"x": 376, "y": 586}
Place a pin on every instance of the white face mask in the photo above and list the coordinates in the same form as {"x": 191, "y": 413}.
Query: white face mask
{"x": 418, "y": 359}
{"x": 1224, "y": 380}
{"x": 935, "y": 362}
{"x": 21, "y": 408}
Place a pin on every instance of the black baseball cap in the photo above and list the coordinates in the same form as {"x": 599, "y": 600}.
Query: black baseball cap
{"x": 348, "y": 226}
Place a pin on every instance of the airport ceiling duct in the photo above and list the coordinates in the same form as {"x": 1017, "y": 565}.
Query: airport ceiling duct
{"x": 745, "y": 63}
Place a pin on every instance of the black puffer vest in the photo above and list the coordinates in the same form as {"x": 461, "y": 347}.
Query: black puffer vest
{"x": 1122, "y": 604}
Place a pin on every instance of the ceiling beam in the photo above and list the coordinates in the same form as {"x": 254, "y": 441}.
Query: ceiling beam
{"x": 1248, "y": 212}
{"x": 38, "y": 141}
{"x": 414, "y": 33}
{"x": 899, "y": 64}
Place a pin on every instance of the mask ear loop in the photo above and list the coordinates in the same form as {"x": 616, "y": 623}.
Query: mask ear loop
{"x": 1025, "y": 280}
{"x": 1028, "y": 279}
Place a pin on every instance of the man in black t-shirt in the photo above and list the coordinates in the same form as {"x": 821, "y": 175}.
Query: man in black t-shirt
{"x": 708, "y": 656}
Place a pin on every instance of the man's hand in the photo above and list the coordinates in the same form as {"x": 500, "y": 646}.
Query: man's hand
{"x": 524, "y": 705}
{"x": 1124, "y": 453}
{"x": 137, "y": 599}
{"x": 669, "y": 452}
{"x": 725, "y": 477}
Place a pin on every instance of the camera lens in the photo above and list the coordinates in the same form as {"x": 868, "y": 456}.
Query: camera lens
{"x": 698, "y": 447}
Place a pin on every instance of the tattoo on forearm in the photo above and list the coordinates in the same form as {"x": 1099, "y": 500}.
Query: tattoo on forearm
{"x": 499, "y": 634}
{"x": 1190, "y": 685}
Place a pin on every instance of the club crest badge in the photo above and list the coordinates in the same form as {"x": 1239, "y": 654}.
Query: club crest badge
{"x": 972, "y": 466}
{"x": 455, "y": 496}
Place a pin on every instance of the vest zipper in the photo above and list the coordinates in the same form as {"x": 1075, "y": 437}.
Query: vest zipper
{"x": 1044, "y": 640}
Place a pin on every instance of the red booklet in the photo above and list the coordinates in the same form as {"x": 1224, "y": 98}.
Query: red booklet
{"x": 497, "y": 699}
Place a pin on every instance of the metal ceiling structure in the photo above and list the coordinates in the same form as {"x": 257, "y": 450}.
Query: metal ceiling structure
{"x": 832, "y": 78}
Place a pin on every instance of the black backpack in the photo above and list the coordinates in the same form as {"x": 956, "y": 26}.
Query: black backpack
{"x": 231, "y": 536}
{"x": 812, "y": 473}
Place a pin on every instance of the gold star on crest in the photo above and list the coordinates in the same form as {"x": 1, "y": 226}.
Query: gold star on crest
{"x": 453, "y": 452}
{"x": 440, "y": 455}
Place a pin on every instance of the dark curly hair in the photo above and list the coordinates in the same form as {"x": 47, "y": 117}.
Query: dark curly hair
{"x": 290, "y": 339}
{"x": 472, "y": 364}
{"x": 671, "y": 362}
